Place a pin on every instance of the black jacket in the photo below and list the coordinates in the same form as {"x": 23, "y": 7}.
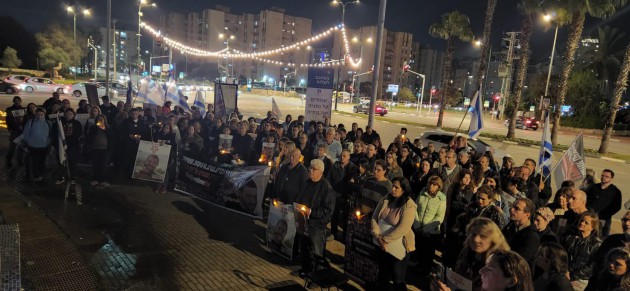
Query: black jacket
{"x": 320, "y": 198}
{"x": 339, "y": 178}
{"x": 606, "y": 202}
{"x": 525, "y": 242}
{"x": 243, "y": 146}
{"x": 580, "y": 250}
{"x": 288, "y": 182}
{"x": 16, "y": 118}
{"x": 548, "y": 235}
{"x": 555, "y": 282}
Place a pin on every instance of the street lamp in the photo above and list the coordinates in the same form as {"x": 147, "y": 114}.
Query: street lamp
{"x": 227, "y": 47}
{"x": 141, "y": 4}
{"x": 343, "y": 19}
{"x": 549, "y": 18}
{"x": 284, "y": 89}
{"x": 74, "y": 13}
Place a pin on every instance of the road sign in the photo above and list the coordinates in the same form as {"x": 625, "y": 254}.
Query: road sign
{"x": 393, "y": 88}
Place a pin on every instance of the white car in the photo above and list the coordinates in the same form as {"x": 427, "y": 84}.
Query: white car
{"x": 43, "y": 85}
{"x": 442, "y": 138}
{"x": 78, "y": 89}
{"x": 16, "y": 79}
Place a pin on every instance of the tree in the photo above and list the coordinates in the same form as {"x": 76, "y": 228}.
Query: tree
{"x": 529, "y": 8}
{"x": 606, "y": 56}
{"x": 405, "y": 94}
{"x": 578, "y": 10}
{"x": 57, "y": 43}
{"x": 454, "y": 25}
{"x": 485, "y": 44}
{"x": 620, "y": 87}
{"x": 14, "y": 35}
{"x": 583, "y": 94}
{"x": 10, "y": 58}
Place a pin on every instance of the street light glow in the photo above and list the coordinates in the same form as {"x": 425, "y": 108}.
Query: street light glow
{"x": 355, "y": 39}
{"x": 478, "y": 43}
{"x": 547, "y": 17}
{"x": 70, "y": 9}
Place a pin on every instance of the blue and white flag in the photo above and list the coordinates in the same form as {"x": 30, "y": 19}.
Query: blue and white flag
{"x": 61, "y": 139}
{"x": 275, "y": 110}
{"x": 156, "y": 94}
{"x": 546, "y": 149}
{"x": 174, "y": 95}
{"x": 143, "y": 89}
{"x": 200, "y": 102}
{"x": 476, "y": 120}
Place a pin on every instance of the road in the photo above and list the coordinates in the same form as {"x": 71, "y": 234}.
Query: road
{"x": 257, "y": 106}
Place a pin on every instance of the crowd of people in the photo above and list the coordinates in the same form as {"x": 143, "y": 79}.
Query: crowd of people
{"x": 493, "y": 222}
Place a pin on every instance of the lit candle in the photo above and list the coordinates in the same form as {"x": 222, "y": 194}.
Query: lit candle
{"x": 358, "y": 214}
{"x": 275, "y": 202}
{"x": 270, "y": 164}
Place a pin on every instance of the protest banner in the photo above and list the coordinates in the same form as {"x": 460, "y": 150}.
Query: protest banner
{"x": 268, "y": 150}
{"x": 361, "y": 251}
{"x": 281, "y": 229}
{"x": 151, "y": 161}
{"x": 239, "y": 189}
{"x": 319, "y": 94}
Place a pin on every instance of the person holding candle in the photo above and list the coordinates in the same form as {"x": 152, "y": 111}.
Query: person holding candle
{"x": 316, "y": 201}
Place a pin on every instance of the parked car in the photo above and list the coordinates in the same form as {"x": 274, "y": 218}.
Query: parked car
{"x": 363, "y": 100}
{"x": 365, "y": 108}
{"x": 16, "y": 79}
{"x": 78, "y": 89}
{"x": 525, "y": 123}
{"x": 119, "y": 87}
{"x": 443, "y": 138}
{"x": 9, "y": 88}
{"x": 43, "y": 85}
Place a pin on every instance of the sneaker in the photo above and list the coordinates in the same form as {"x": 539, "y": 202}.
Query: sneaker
{"x": 105, "y": 184}
{"x": 94, "y": 183}
{"x": 60, "y": 181}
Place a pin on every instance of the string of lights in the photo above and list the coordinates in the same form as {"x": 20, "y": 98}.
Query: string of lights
{"x": 232, "y": 53}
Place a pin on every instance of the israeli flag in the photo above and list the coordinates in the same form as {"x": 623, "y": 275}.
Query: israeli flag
{"x": 546, "y": 149}
{"x": 476, "y": 121}
{"x": 143, "y": 91}
{"x": 173, "y": 95}
{"x": 200, "y": 102}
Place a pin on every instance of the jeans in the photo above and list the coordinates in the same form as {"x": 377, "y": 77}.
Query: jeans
{"x": 390, "y": 268}
{"x": 311, "y": 246}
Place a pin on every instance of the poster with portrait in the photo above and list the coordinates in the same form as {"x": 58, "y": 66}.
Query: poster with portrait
{"x": 151, "y": 161}
{"x": 281, "y": 229}
{"x": 239, "y": 189}
{"x": 268, "y": 150}
{"x": 225, "y": 141}
{"x": 360, "y": 252}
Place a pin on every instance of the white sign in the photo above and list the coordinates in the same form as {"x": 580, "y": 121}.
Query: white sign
{"x": 392, "y": 88}
{"x": 456, "y": 281}
{"x": 319, "y": 94}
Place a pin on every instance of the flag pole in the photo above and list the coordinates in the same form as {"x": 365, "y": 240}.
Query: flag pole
{"x": 462, "y": 122}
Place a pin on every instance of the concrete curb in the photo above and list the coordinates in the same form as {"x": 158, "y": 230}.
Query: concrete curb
{"x": 510, "y": 142}
{"x": 612, "y": 160}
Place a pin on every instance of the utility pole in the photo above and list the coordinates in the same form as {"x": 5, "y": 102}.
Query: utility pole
{"x": 377, "y": 59}
{"x": 114, "y": 44}
{"x": 507, "y": 76}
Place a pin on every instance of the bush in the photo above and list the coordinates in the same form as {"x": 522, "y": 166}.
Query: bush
{"x": 590, "y": 122}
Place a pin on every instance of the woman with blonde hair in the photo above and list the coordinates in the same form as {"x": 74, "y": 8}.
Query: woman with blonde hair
{"x": 580, "y": 246}
{"x": 393, "y": 169}
{"x": 483, "y": 238}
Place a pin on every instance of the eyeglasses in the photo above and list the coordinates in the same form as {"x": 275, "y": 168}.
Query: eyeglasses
{"x": 312, "y": 168}
{"x": 606, "y": 176}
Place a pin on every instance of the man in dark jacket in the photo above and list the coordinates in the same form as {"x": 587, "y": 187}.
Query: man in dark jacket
{"x": 340, "y": 176}
{"x": 108, "y": 109}
{"x": 370, "y": 135}
{"x": 605, "y": 199}
{"x": 520, "y": 233}
{"x": 316, "y": 201}
{"x": 243, "y": 143}
{"x": 50, "y": 101}
{"x": 15, "y": 124}
{"x": 290, "y": 179}
{"x": 134, "y": 131}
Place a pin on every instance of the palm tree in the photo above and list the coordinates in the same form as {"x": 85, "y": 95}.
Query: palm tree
{"x": 454, "y": 25}
{"x": 605, "y": 56}
{"x": 578, "y": 10}
{"x": 529, "y": 8}
{"x": 485, "y": 45}
{"x": 620, "y": 87}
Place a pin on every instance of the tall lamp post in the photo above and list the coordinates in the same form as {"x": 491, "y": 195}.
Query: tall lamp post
{"x": 141, "y": 4}
{"x": 227, "y": 47}
{"x": 74, "y": 13}
{"x": 284, "y": 89}
{"x": 550, "y": 18}
{"x": 343, "y": 19}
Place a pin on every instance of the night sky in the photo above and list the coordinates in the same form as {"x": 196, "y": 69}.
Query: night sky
{"x": 414, "y": 16}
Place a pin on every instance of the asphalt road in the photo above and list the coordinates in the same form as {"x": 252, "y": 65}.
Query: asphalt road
{"x": 257, "y": 106}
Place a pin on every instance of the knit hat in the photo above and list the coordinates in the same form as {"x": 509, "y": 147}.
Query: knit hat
{"x": 546, "y": 213}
